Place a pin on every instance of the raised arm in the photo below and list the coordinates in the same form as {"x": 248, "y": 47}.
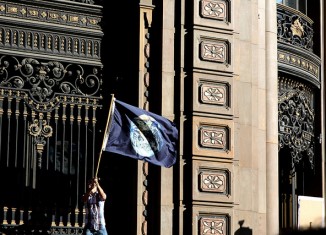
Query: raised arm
{"x": 100, "y": 190}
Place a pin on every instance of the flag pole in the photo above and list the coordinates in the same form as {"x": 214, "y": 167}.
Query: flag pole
{"x": 106, "y": 134}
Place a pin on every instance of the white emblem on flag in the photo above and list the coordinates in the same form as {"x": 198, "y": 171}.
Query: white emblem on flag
{"x": 145, "y": 135}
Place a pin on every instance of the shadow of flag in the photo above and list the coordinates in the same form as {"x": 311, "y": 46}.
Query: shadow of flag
{"x": 142, "y": 135}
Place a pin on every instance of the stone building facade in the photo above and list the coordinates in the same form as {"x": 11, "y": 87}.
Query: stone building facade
{"x": 242, "y": 80}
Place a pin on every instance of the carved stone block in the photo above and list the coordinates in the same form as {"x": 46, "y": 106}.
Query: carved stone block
{"x": 213, "y": 93}
{"x": 213, "y": 137}
{"x": 212, "y": 181}
{"x": 212, "y": 220}
{"x": 214, "y": 51}
{"x": 213, "y": 14}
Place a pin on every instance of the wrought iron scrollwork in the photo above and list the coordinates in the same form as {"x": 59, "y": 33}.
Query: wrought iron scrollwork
{"x": 294, "y": 30}
{"x": 41, "y": 130}
{"x": 46, "y": 79}
{"x": 296, "y": 123}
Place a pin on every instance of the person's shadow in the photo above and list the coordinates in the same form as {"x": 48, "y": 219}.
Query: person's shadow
{"x": 243, "y": 230}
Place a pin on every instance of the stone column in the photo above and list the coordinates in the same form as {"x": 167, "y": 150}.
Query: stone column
{"x": 166, "y": 201}
{"x": 272, "y": 192}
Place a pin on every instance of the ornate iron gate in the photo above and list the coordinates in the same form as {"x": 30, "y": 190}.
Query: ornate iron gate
{"x": 50, "y": 78}
{"x": 296, "y": 118}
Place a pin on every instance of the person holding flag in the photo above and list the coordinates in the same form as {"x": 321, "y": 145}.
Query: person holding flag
{"x": 139, "y": 134}
{"x": 94, "y": 200}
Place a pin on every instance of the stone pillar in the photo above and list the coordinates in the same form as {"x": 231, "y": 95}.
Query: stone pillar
{"x": 272, "y": 192}
{"x": 166, "y": 201}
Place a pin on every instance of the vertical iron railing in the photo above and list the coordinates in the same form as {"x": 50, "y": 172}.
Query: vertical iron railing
{"x": 47, "y": 154}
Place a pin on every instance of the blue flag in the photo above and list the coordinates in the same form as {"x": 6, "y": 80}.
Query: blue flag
{"x": 142, "y": 135}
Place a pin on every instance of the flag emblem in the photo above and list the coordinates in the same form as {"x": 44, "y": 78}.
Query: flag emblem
{"x": 145, "y": 135}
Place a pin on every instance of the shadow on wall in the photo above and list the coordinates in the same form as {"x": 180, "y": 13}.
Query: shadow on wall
{"x": 243, "y": 230}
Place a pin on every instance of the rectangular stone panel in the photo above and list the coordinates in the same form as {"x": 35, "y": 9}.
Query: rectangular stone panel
{"x": 212, "y": 93}
{"x": 213, "y": 51}
{"x": 212, "y": 181}
{"x": 213, "y": 14}
{"x": 208, "y": 220}
{"x": 213, "y": 137}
